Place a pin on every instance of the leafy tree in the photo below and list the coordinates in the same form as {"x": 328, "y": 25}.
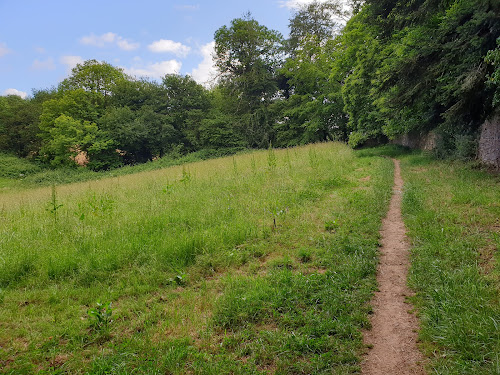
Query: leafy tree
{"x": 186, "y": 104}
{"x": 19, "y": 125}
{"x": 247, "y": 56}
{"x": 70, "y": 138}
{"x": 93, "y": 76}
{"x": 317, "y": 20}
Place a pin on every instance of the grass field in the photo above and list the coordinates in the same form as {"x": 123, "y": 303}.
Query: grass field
{"x": 257, "y": 263}
{"x": 452, "y": 213}
{"x": 254, "y": 264}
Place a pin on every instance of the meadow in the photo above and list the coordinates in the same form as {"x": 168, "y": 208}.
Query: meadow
{"x": 256, "y": 263}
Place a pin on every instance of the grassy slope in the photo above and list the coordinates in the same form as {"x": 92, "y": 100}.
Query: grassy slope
{"x": 452, "y": 213}
{"x": 259, "y": 263}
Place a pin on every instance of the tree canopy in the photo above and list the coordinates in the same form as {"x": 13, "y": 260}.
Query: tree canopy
{"x": 393, "y": 68}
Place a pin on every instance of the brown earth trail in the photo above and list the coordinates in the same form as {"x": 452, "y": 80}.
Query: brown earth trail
{"x": 393, "y": 336}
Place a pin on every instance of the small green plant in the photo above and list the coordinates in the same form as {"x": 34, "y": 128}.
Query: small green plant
{"x": 235, "y": 166}
{"x": 186, "y": 175}
{"x": 53, "y": 205}
{"x": 271, "y": 157}
{"x": 100, "y": 316}
{"x": 313, "y": 158}
{"x": 179, "y": 279}
{"x": 331, "y": 225}
{"x": 305, "y": 255}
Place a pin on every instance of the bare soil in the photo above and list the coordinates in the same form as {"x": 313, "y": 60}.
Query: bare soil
{"x": 393, "y": 337}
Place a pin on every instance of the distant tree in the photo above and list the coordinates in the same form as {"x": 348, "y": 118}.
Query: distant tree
{"x": 70, "y": 139}
{"x": 318, "y": 20}
{"x": 247, "y": 56}
{"x": 93, "y": 76}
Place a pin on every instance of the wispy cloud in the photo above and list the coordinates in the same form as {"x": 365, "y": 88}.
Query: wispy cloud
{"x": 3, "y": 49}
{"x": 155, "y": 70}
{"x": 205, "y": 72}
{"x": 22, "y": 94}
{"x": 43, "y": 64}
{"x": 109, "y": 39}
{"x": 71, "y": 61}
{"x": 295, "y": 4}
{"x": 189, "y": 8}
{"x": 169, "y": 46}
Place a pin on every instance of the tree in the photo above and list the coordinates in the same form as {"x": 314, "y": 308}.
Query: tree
{"x": 317, "y": 20}
{"x": 93, "y": 76}
{"x": 70, "y": 142}
{"x": 247, "y": 56}
{"x": 186, "y": 104}
{"x": 19, "y": 125}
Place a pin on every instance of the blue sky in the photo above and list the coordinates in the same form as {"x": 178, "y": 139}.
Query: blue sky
{"x": 40, "y": 41}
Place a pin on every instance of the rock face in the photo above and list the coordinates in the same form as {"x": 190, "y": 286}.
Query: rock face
{"x": 489, "y": 142}
{"x": 419, "y": 140}
{"x": 488, "y": 146}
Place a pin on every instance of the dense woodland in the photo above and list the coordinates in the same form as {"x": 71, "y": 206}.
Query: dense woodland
{"x": 394, "y": 67}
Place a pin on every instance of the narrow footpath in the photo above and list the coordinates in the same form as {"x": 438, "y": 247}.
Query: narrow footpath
{"x": 392, "y": 339}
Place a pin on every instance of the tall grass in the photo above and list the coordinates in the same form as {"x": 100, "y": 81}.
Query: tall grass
{"x": 244, "y": 264}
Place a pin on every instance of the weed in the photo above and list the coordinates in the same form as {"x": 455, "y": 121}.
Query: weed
{"x": 271, "y": 157}
{"x": 331, "y": 225}
{"x": 100, "y": 316}
{"x": 53, "y": 204}
{"x": 305, "y": 255}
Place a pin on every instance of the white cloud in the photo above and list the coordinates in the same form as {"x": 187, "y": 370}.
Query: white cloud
{"x": 71, "y": 61}
{"x": 190, "y": 8}
{"x": 164, "y": 45}
{"x": 3, "y": 49}
{"x": 294, "y": 4}
{"x": 98, "y": 40}
{"x": 206, "y": 71}
{"x": 40, "y": 50}
{"x": 155, "y": 70}
{"x": 43, "y": 64}
{"x": 109, "y": 39}
{"x": 22, "y": 94}
{"x": 125, "y": 45}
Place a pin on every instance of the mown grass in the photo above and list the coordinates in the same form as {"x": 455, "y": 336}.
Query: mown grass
{"x": 452, "y": 213}
{"x": 257, "y": 263}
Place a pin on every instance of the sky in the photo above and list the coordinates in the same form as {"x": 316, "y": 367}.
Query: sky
{"x": 42, "y": 40}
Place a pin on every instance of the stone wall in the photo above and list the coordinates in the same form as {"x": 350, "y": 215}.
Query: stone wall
{"x": 418, "y": 140}
{"x": 488, "y": 147}
{"x": 489, "y": 142}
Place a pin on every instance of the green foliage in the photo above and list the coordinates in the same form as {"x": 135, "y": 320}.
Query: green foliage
{"x": 14, "y": 167}
{"x": 423, "y": 68}
{"x": 93, "y": 76}
{"x": 69, "y": 138}
{"x": 100, "y": 316}
{"x": 493, "y": 58}
{"x": 19, "y": 125}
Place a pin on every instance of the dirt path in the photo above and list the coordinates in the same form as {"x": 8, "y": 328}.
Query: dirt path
{"x": 393, "y": 335}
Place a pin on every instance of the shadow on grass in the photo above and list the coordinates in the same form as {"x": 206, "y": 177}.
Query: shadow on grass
{"x": 392, "y": 151}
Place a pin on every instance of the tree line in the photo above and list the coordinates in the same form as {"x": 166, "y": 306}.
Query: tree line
{"x": 392, "y": 68}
